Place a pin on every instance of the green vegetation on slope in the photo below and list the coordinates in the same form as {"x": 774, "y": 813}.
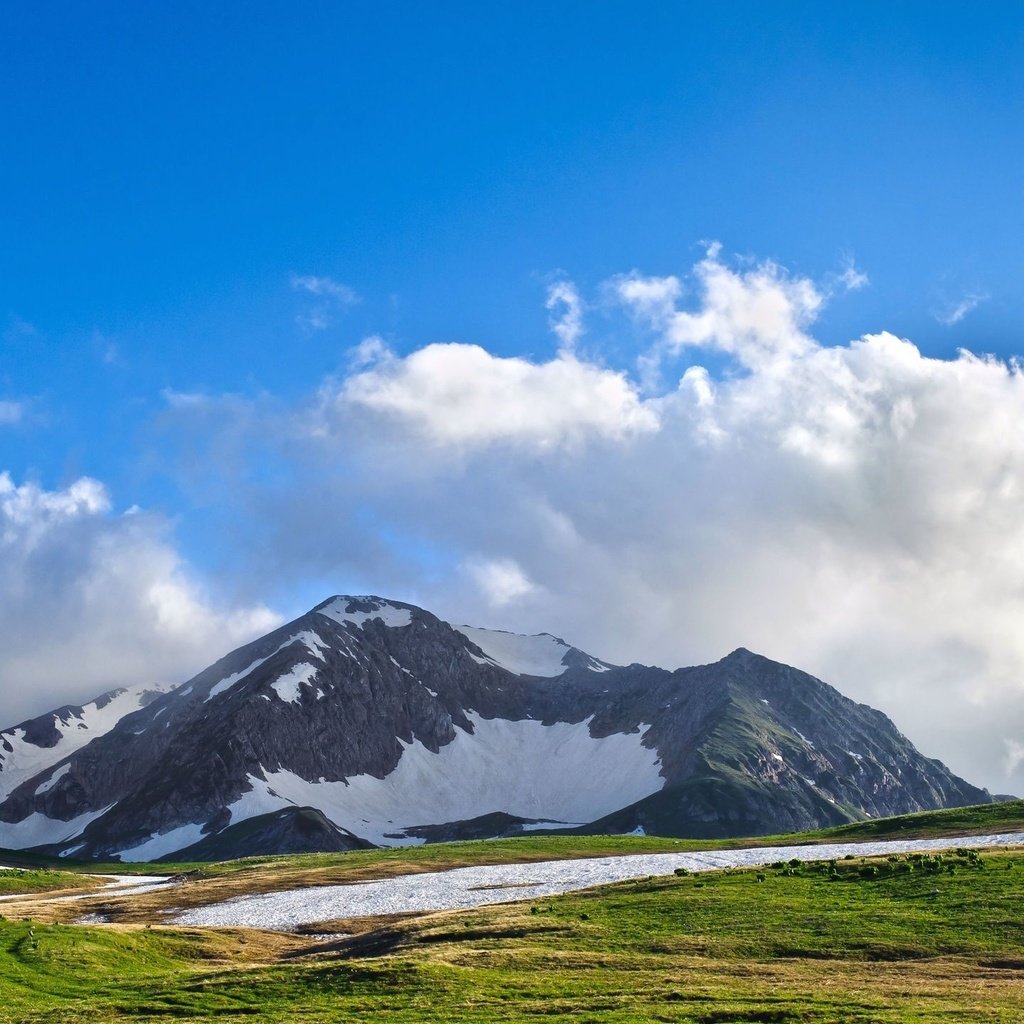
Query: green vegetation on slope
{"x": 886, "y": 941}
{"x": 40, "y": 880}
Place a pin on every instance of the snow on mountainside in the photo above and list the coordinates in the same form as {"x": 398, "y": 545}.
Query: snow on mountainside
{"x": 368, "y": 721}
{"x": 539, "y": 655}
{"x": 28, "y": 749}
{"x": 340, "y": 609}
{"x": 500, "y": 764}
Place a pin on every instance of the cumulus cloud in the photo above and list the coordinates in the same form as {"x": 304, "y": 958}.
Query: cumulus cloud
{"x": 758, "y": 315}
{"x": 90, "y": 600}
{"x": 855, "y": 510}
{"x": 462, "y": 396}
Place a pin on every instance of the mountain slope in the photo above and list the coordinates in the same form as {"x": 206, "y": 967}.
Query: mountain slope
{"x": 30, "y": 748}
{"x": 398, "y": 728}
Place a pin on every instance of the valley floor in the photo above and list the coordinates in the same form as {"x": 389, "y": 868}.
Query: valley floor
{"x": 464, "y": 888}
{"x": 919, "y": 938}
{"x": 799, "y": 946}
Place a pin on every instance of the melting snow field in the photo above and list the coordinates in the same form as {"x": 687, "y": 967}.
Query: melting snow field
{"x": 115, "y": 885}
{"x": 501, "y": 765}
{"x": 462, "y": 888}
{"x": 539, "y": 655}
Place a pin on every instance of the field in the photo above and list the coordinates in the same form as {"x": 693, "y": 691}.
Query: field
{"x": 909, "y": 939}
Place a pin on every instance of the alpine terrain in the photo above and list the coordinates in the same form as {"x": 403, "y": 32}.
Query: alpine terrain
{"x": 373, "y": 722}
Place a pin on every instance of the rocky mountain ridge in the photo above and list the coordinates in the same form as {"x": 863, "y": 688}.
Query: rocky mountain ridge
{"x": 367, "y": 721}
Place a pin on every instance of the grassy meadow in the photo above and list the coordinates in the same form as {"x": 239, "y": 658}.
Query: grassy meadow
{"x": 902, "y": 939}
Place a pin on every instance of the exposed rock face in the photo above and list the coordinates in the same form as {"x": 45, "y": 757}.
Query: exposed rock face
{"x": 292, "y": 830}
{"x": 398, "y": 727}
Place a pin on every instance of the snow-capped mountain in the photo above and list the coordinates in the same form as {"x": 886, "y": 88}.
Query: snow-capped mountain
{"x": 27, "y": 750}
{"x": 368, "y": 721}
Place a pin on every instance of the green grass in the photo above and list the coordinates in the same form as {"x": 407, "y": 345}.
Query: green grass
{"x": 849, "y": 942}
{"x": 39, "y": 880}
{"x": 913, "y": 943}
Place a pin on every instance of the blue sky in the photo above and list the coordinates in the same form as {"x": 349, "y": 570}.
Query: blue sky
{"x": 205, "y": 211}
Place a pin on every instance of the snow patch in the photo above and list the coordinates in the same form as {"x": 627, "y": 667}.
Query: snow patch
{"x": 462, "y": 888}
{"x": 501, "y": 766}
{"x": 39, "y": 830}
{"x": 389, "y": 614}
{"x": 536, "y": 826}
{"x": 228, "y": 681}
{"x": 164, "y": 843}
{"x": 54, "y": 779}
{"x": 312, "y": 641}
{"x": 289, "y": 686}
{"x": 76, "y": 727}
{"x": 804, "y": 738}
{"x": 540, "y": 655}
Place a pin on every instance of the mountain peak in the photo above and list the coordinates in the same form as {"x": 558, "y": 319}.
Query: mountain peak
{"x": 344, "y": 609}
{"x": 369, "y": 720}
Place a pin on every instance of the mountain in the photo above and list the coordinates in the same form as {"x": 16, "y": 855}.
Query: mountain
{"x": 368, "y": 721}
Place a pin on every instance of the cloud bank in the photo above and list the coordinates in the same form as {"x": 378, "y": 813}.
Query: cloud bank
{"x": 90, "y": 601}
{"x": 855, "y": 510}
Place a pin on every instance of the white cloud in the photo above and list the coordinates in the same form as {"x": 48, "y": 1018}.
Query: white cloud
{"x": 758, "y": 315}
{"x": 1014, "y": 755}
{"x": 326, "y": 287}
{"x": 857, "y": 510}
{"x": 11, "y": 412}
{"x": 567, "y": 323}
{"x": 369, "y": 352}
{"x": 500, "y": 580}
{"x": 334, "y": 295}
{"x": 91, "y": 601}
{"x": 462, "y": 396}
{"x": 953, "y": 312}
{"x": 851, "y": 278}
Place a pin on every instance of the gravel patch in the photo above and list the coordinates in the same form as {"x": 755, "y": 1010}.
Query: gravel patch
{"x": 462, "y": 888}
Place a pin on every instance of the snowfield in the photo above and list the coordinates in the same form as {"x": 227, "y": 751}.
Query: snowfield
{"x": 538, "y": 655}
{"x": 502, "y": 765}
{"x": 388, "y": 613}
{"x": 21, "y": 760}
{"x": 462, "y": 888}
{"x": 37, "y": 829}
{"x": 114, "y": 885}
